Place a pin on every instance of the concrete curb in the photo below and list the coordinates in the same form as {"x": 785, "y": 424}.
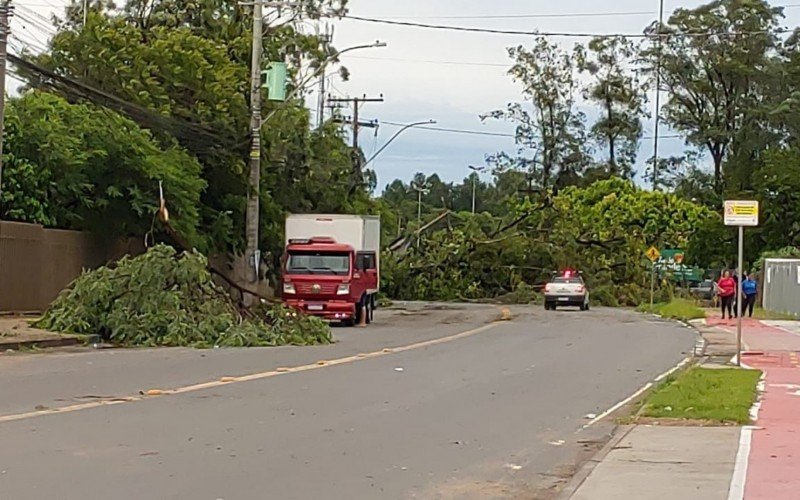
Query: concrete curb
{"x": 39, "y": 344}
{"x": 588, "y": 467}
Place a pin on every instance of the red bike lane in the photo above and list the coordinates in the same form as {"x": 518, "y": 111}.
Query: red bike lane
{"x": 773, "y": 469}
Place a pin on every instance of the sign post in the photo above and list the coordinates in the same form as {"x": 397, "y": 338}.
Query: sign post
{"x": 740, "y": 213}
{"x": 653, "y": 254}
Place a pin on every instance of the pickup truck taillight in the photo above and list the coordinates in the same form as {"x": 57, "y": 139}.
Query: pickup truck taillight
{"x": 581, "y": 289}
{"x": 547, "y": 288}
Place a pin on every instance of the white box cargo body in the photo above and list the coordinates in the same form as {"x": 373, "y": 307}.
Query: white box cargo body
{"x": 362, "y": 232}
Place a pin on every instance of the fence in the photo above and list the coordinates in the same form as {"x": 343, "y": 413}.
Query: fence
{"x": 782, "y": 286}
{"x": 37, "y": 263}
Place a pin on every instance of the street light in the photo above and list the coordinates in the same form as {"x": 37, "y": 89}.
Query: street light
{"x": 322, "y": 66}
{"x": 406, "y": 127}
{"x": 420, "y": 191}
{"x": 477, "y": 171}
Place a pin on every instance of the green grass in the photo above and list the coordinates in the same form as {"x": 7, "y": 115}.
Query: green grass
{"x": 759, "y": 313}
{"x": 680, "y": 309}
{"x": 722, "y": 395}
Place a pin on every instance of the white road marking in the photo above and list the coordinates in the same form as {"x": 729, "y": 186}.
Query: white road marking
{"x": 636, "y": 394}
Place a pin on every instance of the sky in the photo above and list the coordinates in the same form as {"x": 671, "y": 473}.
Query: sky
{"x": 450, "y": 77}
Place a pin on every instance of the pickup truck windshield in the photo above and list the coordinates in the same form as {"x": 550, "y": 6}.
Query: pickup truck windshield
{"x": 318, "y": 263}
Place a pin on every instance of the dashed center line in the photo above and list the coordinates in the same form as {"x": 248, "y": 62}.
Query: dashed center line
{"x": 155, "y": 393}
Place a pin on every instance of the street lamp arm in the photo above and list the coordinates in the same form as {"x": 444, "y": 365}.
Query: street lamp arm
{"x": 410, "y": 125}
{"x": 318, "y": 71}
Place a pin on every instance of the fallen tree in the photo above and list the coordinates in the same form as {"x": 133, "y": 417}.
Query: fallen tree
{"x": 168, "y": 298}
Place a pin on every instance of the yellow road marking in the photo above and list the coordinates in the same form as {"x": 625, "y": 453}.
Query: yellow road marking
{"x": 152, "y": 393}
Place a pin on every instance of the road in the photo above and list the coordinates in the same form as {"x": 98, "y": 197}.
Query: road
{"x": 428, "y": 403}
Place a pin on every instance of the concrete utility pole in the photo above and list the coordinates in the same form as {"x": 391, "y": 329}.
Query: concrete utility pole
{"x": 477, "y": 171}
{"x": 252, "y": 252}
{"x": 5, "y": 12}
{"x": 658, "y": 95}
{"x": 327, "y": 39}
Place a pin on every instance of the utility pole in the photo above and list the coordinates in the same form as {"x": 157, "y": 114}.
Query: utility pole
{"x": 5, "y": 11}
{"x": 252, "y": 252}
{"x": 357, "y": 101}
{"x": 327, "y": 39}
{"x": 658, "y": 94}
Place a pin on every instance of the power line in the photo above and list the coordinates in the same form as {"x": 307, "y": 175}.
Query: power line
{"x": 494, "y": 134}
{"x": 468, "y": 29}
{"x": 450, "y": 130}
{"x": 429, "y": 61}
{"x": 527, "y": 16}
{"x": 543, "y": 16}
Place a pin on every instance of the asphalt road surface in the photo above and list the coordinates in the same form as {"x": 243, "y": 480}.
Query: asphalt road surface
{"x": 431, "y": 402}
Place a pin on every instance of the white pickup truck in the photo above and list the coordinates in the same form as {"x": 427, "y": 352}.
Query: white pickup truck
{"x": 567, "y": 289}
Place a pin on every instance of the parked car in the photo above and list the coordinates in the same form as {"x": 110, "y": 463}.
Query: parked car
{"x": 566, "y": 289}
{"x": 703, "y": 291}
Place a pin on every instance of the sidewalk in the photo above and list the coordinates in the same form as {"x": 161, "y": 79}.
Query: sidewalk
{"x": 666, "y": 463}
{"x": 16, "y": 333}
{"x": 759, "y": 462}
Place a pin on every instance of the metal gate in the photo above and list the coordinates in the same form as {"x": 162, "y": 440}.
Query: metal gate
{"x": 782, "y": 286}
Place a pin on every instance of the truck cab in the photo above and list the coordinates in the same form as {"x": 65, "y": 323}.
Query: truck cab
{"x": 328, "y": 278}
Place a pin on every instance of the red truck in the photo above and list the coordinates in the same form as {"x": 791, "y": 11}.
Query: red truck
{"x": 331, "y": 266}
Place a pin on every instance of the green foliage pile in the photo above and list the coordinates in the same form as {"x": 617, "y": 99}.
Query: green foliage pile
{"x": 166, "y": 298}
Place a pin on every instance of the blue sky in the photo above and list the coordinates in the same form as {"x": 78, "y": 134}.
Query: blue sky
{"x": 447, "y": 76}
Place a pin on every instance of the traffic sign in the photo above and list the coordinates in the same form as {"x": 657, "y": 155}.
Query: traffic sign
{"x": 741, "y": 213}
{"x": 653, "y": 254}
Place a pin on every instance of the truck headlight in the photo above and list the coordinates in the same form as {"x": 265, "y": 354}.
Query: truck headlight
{"x": 288, "y": 288}
{"x": 344, "y": 289}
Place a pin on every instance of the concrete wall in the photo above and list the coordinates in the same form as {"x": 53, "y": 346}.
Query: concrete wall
{"x": 37, "y": 263}
{"x": 782, "y": 286}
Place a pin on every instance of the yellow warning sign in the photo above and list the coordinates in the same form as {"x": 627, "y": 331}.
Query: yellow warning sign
{"x": 653, "y": 254}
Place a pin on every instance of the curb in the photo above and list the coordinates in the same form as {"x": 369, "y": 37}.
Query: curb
{"x": 588, "y": 467}
{"x": 39, "y": 344}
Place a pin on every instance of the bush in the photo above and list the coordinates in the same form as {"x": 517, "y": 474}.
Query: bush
{"x": 164, "y": 298}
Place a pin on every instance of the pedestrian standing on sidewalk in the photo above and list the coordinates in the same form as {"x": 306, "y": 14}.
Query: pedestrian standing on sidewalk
{"x": 727, "y": 290}
{"x": 750, "y": 291}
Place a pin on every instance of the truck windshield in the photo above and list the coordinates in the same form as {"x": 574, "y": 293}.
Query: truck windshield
{"x": 318, "y": 263}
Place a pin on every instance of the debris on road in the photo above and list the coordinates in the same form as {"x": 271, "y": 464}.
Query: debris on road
{"x": 398, "y": 369}
{"x": 167, "y": 298}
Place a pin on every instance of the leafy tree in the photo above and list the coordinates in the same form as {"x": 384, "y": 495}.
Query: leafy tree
{"x": 79, "y": 167}
{"x": 777, "y": 186}
{"x": 616, "y": 90}
{"x": 552, "y": 129}
{"x": 711, "y": 62}
{"x": 187, "y": 64}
